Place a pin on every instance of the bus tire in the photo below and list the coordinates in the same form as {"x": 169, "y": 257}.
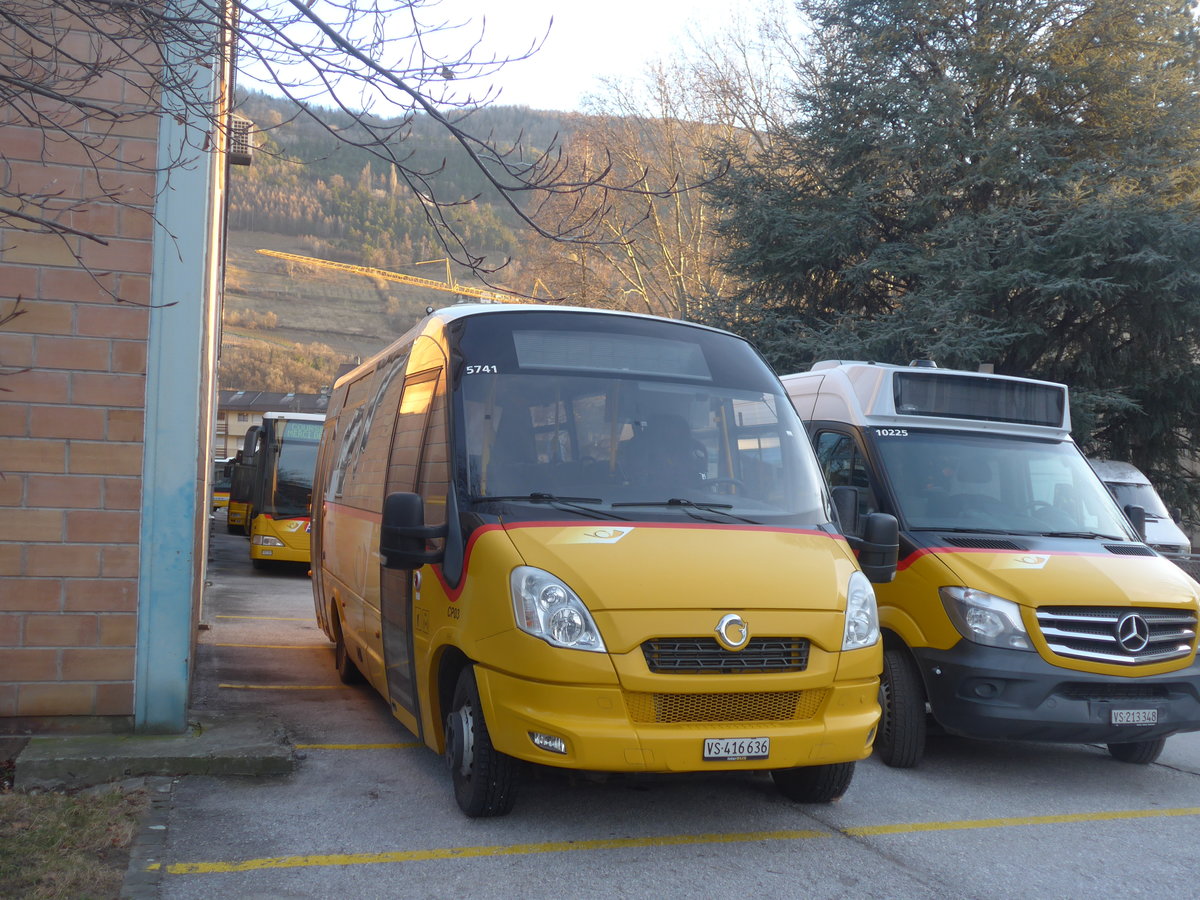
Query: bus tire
{"x": 814, "y": 784}
{"x": 484, "y": 779}
{"x": 900, "y": 740}
{"x": 1138, "y": 752}
{"x": 348, "y": 671}
{"x": 233, "y": 529}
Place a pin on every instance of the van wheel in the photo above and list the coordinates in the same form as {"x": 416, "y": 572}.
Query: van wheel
{"x": 900, "y": 740}
{"x": 484, "y": 779}
{"x": 348, "y": 672}
{"x": 1139, "y": 752}
{"x": 814, "y": 784}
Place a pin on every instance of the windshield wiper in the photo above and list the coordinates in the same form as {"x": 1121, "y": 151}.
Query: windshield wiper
{"x": 688, "y": 505}
{"x": 571, "y": 503}
{"x": 968, "y": 530}
{"x": 1082, "y": 534}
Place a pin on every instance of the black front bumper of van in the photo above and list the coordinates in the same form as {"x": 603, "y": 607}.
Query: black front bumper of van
{"x": 986, "y": 692}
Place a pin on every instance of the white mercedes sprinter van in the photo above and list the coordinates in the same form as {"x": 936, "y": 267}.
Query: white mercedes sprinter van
{"x": 1131, "y": 488}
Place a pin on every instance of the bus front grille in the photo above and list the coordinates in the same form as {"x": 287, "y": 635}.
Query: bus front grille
{"x": 735, "y": 708}
{"x": 699, "y": 656}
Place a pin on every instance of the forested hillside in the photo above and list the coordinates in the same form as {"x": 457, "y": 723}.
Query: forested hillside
{"x": 288, "y": 327}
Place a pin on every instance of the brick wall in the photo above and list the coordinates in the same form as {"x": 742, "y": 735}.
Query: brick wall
{"x": 72, "y": 391}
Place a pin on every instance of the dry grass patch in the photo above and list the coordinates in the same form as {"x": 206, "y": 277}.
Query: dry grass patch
{"x": 55, "y": 845}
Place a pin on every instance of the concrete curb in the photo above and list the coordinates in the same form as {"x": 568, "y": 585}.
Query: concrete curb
{"x": 142, "y": 882}
{"x": 212, "y": 745}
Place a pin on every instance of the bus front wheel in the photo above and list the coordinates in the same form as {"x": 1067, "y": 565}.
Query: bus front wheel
{"x": 348, "y": 672}
{"x": 484, "y": 779}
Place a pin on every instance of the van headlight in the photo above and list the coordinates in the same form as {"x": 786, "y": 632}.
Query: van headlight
{"x": 546, "y": 608}
{"x": 862, "y": 615}
{"x": 985, "y": 618}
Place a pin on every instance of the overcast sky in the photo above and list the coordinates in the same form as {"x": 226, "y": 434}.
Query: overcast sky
{"x": 615, "y": 38}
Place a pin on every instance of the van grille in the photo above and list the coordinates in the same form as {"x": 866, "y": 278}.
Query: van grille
{"x": 1129, "y": 636}
{"x": 764, "y": 706}
{"x": 1129, "y": 550}
{"x": 1114, "y": 691}
{"x": 692, "y": 656}
{"x": 982, "y": 543}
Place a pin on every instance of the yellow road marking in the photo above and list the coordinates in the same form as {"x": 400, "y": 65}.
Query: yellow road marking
{"x": 275, "y": 646}
{"x": 1010, "y": 822}
{"x": 358, "y": 859}
{"x": 396, "y": 856}
{"x": 404, "y": 746}
{"x": 282, "y": 687}
{"x": 271, "y": 618}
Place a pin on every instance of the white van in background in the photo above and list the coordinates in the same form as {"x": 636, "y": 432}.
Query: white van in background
{"x": 1131, "y": 488}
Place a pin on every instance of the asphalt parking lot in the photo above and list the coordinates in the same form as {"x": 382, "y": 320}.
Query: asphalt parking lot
{"x": 369, "y": 812}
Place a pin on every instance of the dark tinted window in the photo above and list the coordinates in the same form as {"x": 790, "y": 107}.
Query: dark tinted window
{"x": 972, "y": 397}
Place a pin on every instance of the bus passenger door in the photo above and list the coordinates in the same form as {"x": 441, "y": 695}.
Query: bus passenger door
{"x": 420, "y": 426}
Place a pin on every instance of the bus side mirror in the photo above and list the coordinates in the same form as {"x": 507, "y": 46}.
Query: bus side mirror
{"x": 1137, "y": 518}
{"x": 879, "y": 548}
{"x": 403, "y": 533}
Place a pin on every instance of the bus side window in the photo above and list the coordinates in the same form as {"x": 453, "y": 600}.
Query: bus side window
{"x": 434, "y": 482}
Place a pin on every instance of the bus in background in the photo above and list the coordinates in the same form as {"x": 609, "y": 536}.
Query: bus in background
{"x": 241, "y": 485}
{"x": 285, "y": 456}
{"x": 1026, "y": 605}
{"x": 222, "y": 476}
{"x": 596, "y": 541}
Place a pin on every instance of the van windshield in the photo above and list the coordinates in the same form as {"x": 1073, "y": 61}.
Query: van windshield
{"x": 629, "y": 417}
{"x": 1142, "y": 495}
{"x": 981, "y": 482}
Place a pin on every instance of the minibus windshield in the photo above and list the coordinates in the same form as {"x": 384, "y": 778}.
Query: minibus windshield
{"x": 983, "y": 482}
{"x": 626, "y": 416}
{"x": 222, "y": 474}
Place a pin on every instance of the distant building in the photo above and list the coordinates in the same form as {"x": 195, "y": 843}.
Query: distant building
{"x": 237, "y": 411}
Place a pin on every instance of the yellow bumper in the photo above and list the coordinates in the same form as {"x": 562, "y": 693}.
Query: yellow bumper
{"x": 833, "y": 724}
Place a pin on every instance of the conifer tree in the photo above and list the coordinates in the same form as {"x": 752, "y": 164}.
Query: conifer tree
{"x": 1012, "y": 183}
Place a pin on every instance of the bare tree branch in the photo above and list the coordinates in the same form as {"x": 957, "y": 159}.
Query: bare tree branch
{"x": 80, "y": 73}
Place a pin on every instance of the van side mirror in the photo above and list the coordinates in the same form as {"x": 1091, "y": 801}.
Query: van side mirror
{"x": 403, "y": 533}
{"x": 879, "y": 548}
{"x": 1137, "y": 518}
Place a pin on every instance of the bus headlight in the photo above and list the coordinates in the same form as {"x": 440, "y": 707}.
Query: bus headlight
{"x": 265, "y": 540}
{"x": 862, "y": 615}
{"x": 546, "y": 608}
{"x": 985, "y": 618}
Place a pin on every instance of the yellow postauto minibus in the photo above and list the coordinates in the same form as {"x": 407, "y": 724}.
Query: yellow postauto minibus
{"x": 1026, "y": 605}
{"x": 596, "y": 541}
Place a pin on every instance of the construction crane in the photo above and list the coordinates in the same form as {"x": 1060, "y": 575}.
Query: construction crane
{"x": 449, "y": 285}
